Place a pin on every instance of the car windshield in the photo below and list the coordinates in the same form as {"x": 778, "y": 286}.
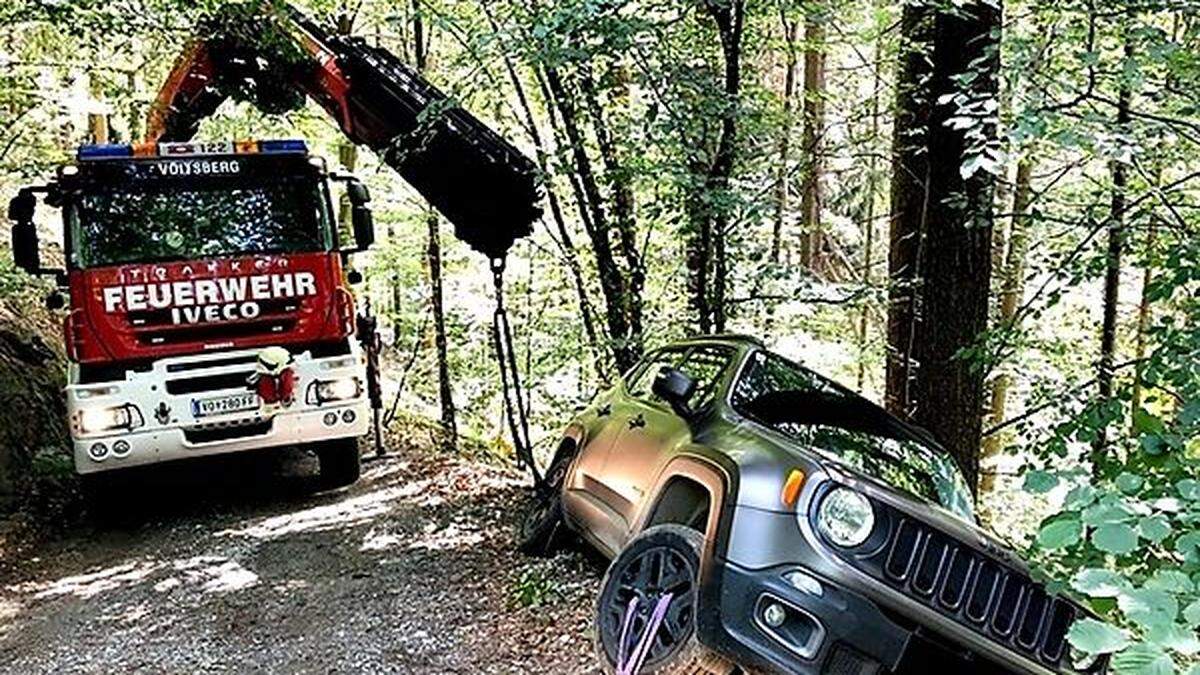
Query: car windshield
{"x": 821, "y": 414}
{"x": 165, "y": 220}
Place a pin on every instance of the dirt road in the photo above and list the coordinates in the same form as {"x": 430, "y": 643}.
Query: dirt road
{"x": 234, "y": 566}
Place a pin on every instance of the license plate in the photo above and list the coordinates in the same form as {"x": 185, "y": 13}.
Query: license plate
{"x": 224, "y": 405}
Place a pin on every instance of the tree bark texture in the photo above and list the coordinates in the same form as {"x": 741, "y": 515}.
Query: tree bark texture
{"x": 812, "y": 252}
{"x": 941, "y": 229}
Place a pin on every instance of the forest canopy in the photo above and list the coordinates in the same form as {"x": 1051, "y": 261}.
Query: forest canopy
{"x": 986, "y": 217}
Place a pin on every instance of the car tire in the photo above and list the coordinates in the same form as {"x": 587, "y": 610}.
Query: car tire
{"x": 541, "y": 530}
{"x": 674, "y": 553}
{"x": 341, "y": 463}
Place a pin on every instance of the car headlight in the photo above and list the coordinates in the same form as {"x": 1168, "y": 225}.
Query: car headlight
{"x": 341, "y": 389}
{"x": 97, "y": 420}
{"x": 845, "y": 517}
{"x": 1082, "y": 661}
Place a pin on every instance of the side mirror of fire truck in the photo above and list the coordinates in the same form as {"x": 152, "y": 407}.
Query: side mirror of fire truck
{"x": 24, "y": 232}
{"x": 360, "y": 214}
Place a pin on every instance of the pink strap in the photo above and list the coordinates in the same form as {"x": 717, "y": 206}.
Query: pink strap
{"x": 642, "y": 650}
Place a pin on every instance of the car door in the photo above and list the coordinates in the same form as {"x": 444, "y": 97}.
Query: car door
{"x": 650, "y": 430}
{"x": 589, "y": 494}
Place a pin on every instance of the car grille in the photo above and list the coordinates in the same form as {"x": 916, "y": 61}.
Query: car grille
{"x": 976, "y": 590}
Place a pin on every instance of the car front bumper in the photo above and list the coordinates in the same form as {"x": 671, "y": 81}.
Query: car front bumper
{"x": 832, "y": 624}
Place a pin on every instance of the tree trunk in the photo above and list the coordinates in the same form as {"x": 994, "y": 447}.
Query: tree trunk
{"x": 869, "y": 215}
{"x": 941, "y": 229}
{"x": 1143, "y": 321}
{"x": 1011, "y": 292}
{"x": 433, "y": 257}
{"x": 612, "y": 283}
{"x": 97, "y": 122}
{"x": 708, "y": 211}
{"x": 1112, "y": 268}
{"x": 621, "y": 187}
{"x": 812, "y": 251}
{"x": 790, "y": 29}
{"x": 565, "y": 241}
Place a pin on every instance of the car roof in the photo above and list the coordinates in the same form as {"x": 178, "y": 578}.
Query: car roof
{"x": 734, "y": 339}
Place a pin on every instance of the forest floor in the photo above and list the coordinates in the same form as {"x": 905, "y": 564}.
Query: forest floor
{"x": 234, "y": 565}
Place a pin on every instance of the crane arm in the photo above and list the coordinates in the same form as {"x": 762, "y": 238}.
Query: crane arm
{"x": 274, "y": 56}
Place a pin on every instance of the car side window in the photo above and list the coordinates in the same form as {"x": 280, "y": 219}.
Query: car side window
{"x": 766, "y": 373}
{"x": 642, "y": 383}
{"x": 705, "y": 365}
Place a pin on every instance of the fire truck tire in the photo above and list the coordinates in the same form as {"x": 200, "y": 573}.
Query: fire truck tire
{"x": 102, "y": 496}
{"x": 341, "y": 463}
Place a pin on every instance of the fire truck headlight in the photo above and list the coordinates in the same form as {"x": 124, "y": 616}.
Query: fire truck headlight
{"x": 97, "y": 420}
{"x": 341, "y": 389}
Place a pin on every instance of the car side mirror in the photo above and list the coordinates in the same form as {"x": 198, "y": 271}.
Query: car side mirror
{"x": 24, "y": 232}
{"x": 676, "y": 388}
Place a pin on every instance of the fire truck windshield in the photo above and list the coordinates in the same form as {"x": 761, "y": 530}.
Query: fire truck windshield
{"x": 159, "y": 221}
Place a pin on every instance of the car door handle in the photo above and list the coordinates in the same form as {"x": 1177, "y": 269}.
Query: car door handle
{"x": 604, "y": 410}
{"x": 637, "y": 422}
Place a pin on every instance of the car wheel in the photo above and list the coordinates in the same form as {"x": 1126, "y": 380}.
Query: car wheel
{"x": 341, "y": 463}
{"x": 646, "y": 612}
{"x": 540, "y": 532}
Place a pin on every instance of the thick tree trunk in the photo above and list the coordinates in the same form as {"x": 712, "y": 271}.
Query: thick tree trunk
{"x": 941, "y": 230}
{"x": 791, "y": 28}
{"x": 812, "y": 252}
{"x": 433, "y": 258}
{"x": 1011, "y": 292}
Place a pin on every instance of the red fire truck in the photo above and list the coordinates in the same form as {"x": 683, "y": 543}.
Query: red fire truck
{"x": 185, "y": 262}
{"x": 209, "y": 308}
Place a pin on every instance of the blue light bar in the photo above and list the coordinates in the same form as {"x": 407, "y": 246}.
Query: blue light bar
{"x": 109, "y": 151}
{"x": 290, "y": 145}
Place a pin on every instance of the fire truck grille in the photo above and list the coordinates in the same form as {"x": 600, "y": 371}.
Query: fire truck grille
{"x": 194, "y": 385}
{"x": 215, "y": 332}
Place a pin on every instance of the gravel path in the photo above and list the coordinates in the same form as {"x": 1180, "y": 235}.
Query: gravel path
{"x": 234, "y": 566}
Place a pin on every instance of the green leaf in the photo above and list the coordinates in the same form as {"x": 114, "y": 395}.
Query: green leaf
{"x": 1080, "y": 497}
{"x": 1096, "y": 637}
{"x": 1188, "y": 489}
{"x": 1148, "y": 607}
{"x": 1171, "y": 581}
{"x": 1191, "y": 614}
{"x": 1115, "y": 538}
{"x": 1106, "y": 513}
{"x": 1099, "y": 583}
{"x": 1060, "y": 534}
{"x": 1147, "y": 423}
{"x": 1179, "y": 639}
{"x": 1129, "y": 483}
{"x": 1188, "y": 545}
{"x": 1154, "y": 528}
{"x": 1143, "y": 659}
{"x": 1040, "y": 482}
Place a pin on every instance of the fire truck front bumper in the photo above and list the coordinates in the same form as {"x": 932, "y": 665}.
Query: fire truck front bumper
{"x": 200, "y": 406}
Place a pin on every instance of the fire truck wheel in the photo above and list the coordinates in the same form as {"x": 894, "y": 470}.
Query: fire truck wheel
{"x": 103, "y": 495}
{"x": 341, "y": 463}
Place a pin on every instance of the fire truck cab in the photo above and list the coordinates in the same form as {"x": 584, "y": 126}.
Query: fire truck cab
{"x": 209, "y": 308}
